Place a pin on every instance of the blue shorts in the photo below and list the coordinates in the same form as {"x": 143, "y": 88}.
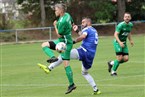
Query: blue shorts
{"x": 86, "y": 58}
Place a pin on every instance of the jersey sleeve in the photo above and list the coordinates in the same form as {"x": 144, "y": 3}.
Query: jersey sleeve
{"x": 84, "y": 31}
{"x": 118, "y": 28}
{"x": 131, "y": 25}
{"x": 72, "y": 21}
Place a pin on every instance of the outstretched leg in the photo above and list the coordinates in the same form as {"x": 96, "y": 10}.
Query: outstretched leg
{"x": 90, "y": 80}
{"x": 74, "y": 55}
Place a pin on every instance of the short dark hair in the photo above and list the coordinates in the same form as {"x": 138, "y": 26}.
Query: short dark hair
{"x": 89, "y": 19}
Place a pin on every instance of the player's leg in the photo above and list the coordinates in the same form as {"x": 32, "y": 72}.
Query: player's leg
{"x": 90, "y": 80}
{"x": 125, "y": 54}
{"x": 119, "y": 57}
{"x": 47, "y": 48}
{"x": 74, "y": 55}
{"x": 56, "y": 63}
{"x": 125, "y": 58}
{"x": 69, "y": 74}
{"x": 66, "y": 58}
{"x": 47, "y": 69}
{"x": 113, "y": 65}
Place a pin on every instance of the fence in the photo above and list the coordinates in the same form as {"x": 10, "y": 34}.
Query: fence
{"x": 39, "y": 29}
{"x": 50, "y": 30}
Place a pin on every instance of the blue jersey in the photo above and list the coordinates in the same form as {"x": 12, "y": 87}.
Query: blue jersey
{"x": 91, "y": 41}
{"x": 89, "y": 45}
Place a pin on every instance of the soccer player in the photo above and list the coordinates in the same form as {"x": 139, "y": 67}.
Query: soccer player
{"x": 85, "y": 53}
{"x": 63, "y": 28}
{"x": 123, "y": 31}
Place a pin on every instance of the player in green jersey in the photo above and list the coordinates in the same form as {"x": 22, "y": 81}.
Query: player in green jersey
{"x": 123, "y": 31}
{"x": 63, "y": 29}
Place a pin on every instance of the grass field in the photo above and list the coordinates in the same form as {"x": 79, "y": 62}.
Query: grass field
{"x": 21, "y": 77}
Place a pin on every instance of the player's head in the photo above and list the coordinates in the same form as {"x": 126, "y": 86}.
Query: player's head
{"x": 127, "y": 17}
{"x": 59, "y": 9}
{"x": 86, "y": 22}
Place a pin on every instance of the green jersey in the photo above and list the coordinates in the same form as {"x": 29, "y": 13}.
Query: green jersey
{"x": 64, "y": 26}
{"x": 123, "y": 29}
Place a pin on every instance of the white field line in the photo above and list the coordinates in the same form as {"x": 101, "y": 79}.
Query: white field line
{"x": 56, "y": 85}
{"x": 53, "y": 85}
{"x": 140, "y": 62}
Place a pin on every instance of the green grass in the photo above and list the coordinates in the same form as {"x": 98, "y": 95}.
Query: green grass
{"x": 20, "y": 76}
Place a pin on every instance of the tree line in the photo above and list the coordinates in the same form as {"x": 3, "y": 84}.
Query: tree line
{"x": 41, "y": 13}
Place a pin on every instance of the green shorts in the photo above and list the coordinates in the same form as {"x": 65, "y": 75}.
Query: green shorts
{"x": 119, "y": 50}
{"x": 65, "y": 55}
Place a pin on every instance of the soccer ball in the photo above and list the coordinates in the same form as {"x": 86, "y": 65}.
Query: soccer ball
{"x": 60, "y": 47}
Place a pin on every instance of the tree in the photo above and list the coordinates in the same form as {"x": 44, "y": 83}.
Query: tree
{"x": 121, "y": 7}
{"x": 98, "y": 10}
{"x": 137, "y": 9}
{"x": 41, "y": 11}
{"x": 43, "y": 15}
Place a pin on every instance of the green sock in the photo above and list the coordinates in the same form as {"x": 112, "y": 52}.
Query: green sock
{"x": 122, "y": 61}
{"x": 116, "y": 64}
{"x": 48, "y": 51}
{"x": 69, "y": 74}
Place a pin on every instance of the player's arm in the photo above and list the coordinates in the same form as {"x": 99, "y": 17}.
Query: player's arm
{"x": 75, "y": 28}
{"x": 118, "y": 40}
{"x": 130, "y": 39}
{"x": 81, "y": 37}
{"x": 55, "y": 27}
{"x": 116, "y": 34}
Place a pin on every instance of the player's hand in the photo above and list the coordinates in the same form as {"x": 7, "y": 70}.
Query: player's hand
{"x": 122, "y": 44}
{"x": 75, "y": 27}
{"x": 131, "y": 42}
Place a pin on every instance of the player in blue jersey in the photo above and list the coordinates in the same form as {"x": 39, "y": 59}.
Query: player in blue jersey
{"x": 85, "y": 53}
